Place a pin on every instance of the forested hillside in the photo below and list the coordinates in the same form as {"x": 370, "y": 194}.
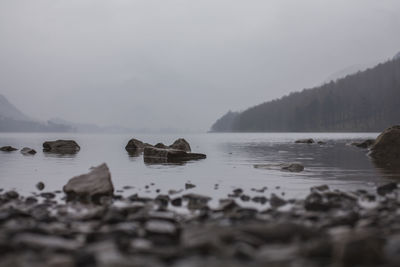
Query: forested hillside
{"x": 365, "y": 101}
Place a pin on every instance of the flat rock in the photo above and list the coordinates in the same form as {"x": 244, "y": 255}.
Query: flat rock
{"x": 92, "y": 185}
{"x": 8, "y": 148}
{"x": 292, "y": 167}
{"x": 61, "y": 147}
{"x": 160, "y": 155}
{"x": 305, "y": 141}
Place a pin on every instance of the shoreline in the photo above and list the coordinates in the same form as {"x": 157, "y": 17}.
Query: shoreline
{"x": 326, "y": 228}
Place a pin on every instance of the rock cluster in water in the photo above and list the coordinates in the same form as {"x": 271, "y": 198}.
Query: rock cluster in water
{"x": 327, "y": 228}
{"x": 179, "y": 151}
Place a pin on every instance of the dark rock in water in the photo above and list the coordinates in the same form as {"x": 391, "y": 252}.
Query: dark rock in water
{"x": 305, "y": 141}
{"x": 40, "y": 186}
{"x": 259, "y": 199}
{"x": 276, "y": 201}
{"x": 320, "y": 188}
{"x": 28, "y": 151}
{"x": 245, "y": 198}
{"x": 92, "y": 185}
{"x": 321, "y": 143}
{"x": 189, "y": 186}
{"x": 8, "y": 148}
{"x": 386, "y": 189}
{"x": 292, "y": 167}
{"x": 386, "y": 149}
{"x": 364, "y": 144}
{"x": 181, "y": 144}
{"x": 134, "y": 145}
{"x": 161, "y": 145}
{"x": 61, "y": 147}
{"x": 159, "y": 155}
{"x": 316, "y": 202}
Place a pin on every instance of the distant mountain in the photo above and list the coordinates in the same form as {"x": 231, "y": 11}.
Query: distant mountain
{"x": 13, "y": 120}
{"x": 397, "y": 56}
{"x": 91, "y": 128}
{"x": 365, "y": 101}
{"x": 8, "y": 110}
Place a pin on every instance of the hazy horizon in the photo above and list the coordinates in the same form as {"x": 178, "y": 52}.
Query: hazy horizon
{"x": 180, "y": 64}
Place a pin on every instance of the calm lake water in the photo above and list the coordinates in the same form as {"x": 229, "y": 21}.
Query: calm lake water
{"x": 230, "y": 163}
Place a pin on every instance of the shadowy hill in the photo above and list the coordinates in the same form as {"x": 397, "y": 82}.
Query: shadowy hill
{"x": 365, "y": 101}
{"x": 13, "y": 120}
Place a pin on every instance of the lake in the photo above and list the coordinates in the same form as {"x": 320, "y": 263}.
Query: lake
{"x": 230, "y": 163}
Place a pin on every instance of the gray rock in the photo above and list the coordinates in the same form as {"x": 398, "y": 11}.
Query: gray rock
{"x": 28, "y": 151}
{"x": 159, "y": 155}
{"x": 365, "y": 144}
{"x": 61, "y": 147}
{"x": 40, "y": 186}
{"x": 161, "y": 145}
{"x": 292, "y": 167}
{"x": 134, "y": 145}
{"x": 386, "y": 189}
{"x": 92, "y": 185}
{"x": 386, "y": 148}
{"x": 181, "y": 144}
{"x": 276, "y": 201}
{"x": 305, "y": 141}
{"x": 8, "y": 148}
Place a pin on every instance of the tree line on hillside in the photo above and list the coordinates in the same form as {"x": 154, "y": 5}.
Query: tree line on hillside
{"x": 365, "y": 101}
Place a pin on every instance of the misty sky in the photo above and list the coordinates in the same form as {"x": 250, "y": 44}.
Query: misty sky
{"x": 180, "y": 64}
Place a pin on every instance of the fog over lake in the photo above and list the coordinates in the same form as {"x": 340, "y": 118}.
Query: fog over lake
{"x": 180, "y": 64}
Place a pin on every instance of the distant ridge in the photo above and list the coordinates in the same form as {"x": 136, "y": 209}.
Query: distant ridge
{"x": 8, "y": 110}
{"x": 365, "y": 101}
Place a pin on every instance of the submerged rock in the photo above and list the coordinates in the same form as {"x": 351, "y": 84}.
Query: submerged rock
{"x": 365, "y": 144}
{"x": 386, "y": 149}
{"x": 292, "y": 167}
{"x": 305, "y": 141}
{"x": 28, "y": 151}
{"x": 181, "y": 144}
{"x": 160, "y": 155}
{"x": 61, "y": 147}
{"x": 8, "y": 148}
{"x": 40, "y": 186}
{"x": 90, "y": 186}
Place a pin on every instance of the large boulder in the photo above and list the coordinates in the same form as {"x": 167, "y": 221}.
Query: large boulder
{"x": 90, "y": 186}
{"x": 161, "y": 155}
{"x": 181, "y": 144}
{"x": 8, "y": 148}
{"x": 386, "y": 149}
{"x": 61, "y": 147}
{"x": 305, "y": 141}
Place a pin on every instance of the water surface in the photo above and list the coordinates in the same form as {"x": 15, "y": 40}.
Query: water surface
{"x": 230, "y": 163}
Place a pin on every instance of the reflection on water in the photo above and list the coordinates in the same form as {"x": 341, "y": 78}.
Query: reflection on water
{"x": 229, "y": 163}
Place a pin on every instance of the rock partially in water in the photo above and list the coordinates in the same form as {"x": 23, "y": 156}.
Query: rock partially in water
{"x": 161, "y": 145}
{"x": 28, "y": 151}
{"x": 61, "y": 147}
{"x": 8, "y": 149}
{"x": 159, "y": 155}
{"x": 305, "y": 141}
{"x": 386, "y": 149}
{"x": 91, "y": 186}
{"x": 365, "y": 144}
{"x": 134, "y": 146}
{"x": 196, "y": 201}
{"x": 292, "y": 167}
{"x": 276, "y": 201}
{"x": 181, "y": 144}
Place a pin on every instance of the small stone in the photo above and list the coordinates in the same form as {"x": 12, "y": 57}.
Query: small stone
{"x": 12, "y": 195}
{"x": 8, "y": 149}
{"x": 28, "y": 151}
{"x": 292, "y": 167}
{"x": 305, "y": 141}
{"x": 177, "y": 202}
{"x": 40, "y": 186}
{"x": 48, "y": 195}
{"x": 189, "y": 186}
{"x": 276, "y": 201}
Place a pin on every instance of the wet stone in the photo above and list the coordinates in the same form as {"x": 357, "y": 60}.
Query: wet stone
{"x": 177, "y": 202}
{"x": 276, "y": 201}
{"x": 40, "y": 186}
{"x": 48, "y": 195}
{"x": 189, "y": 186}
{"x": 386, "y": 189}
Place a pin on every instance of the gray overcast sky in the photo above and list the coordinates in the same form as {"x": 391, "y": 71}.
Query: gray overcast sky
{"x": 180, "y": 64}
